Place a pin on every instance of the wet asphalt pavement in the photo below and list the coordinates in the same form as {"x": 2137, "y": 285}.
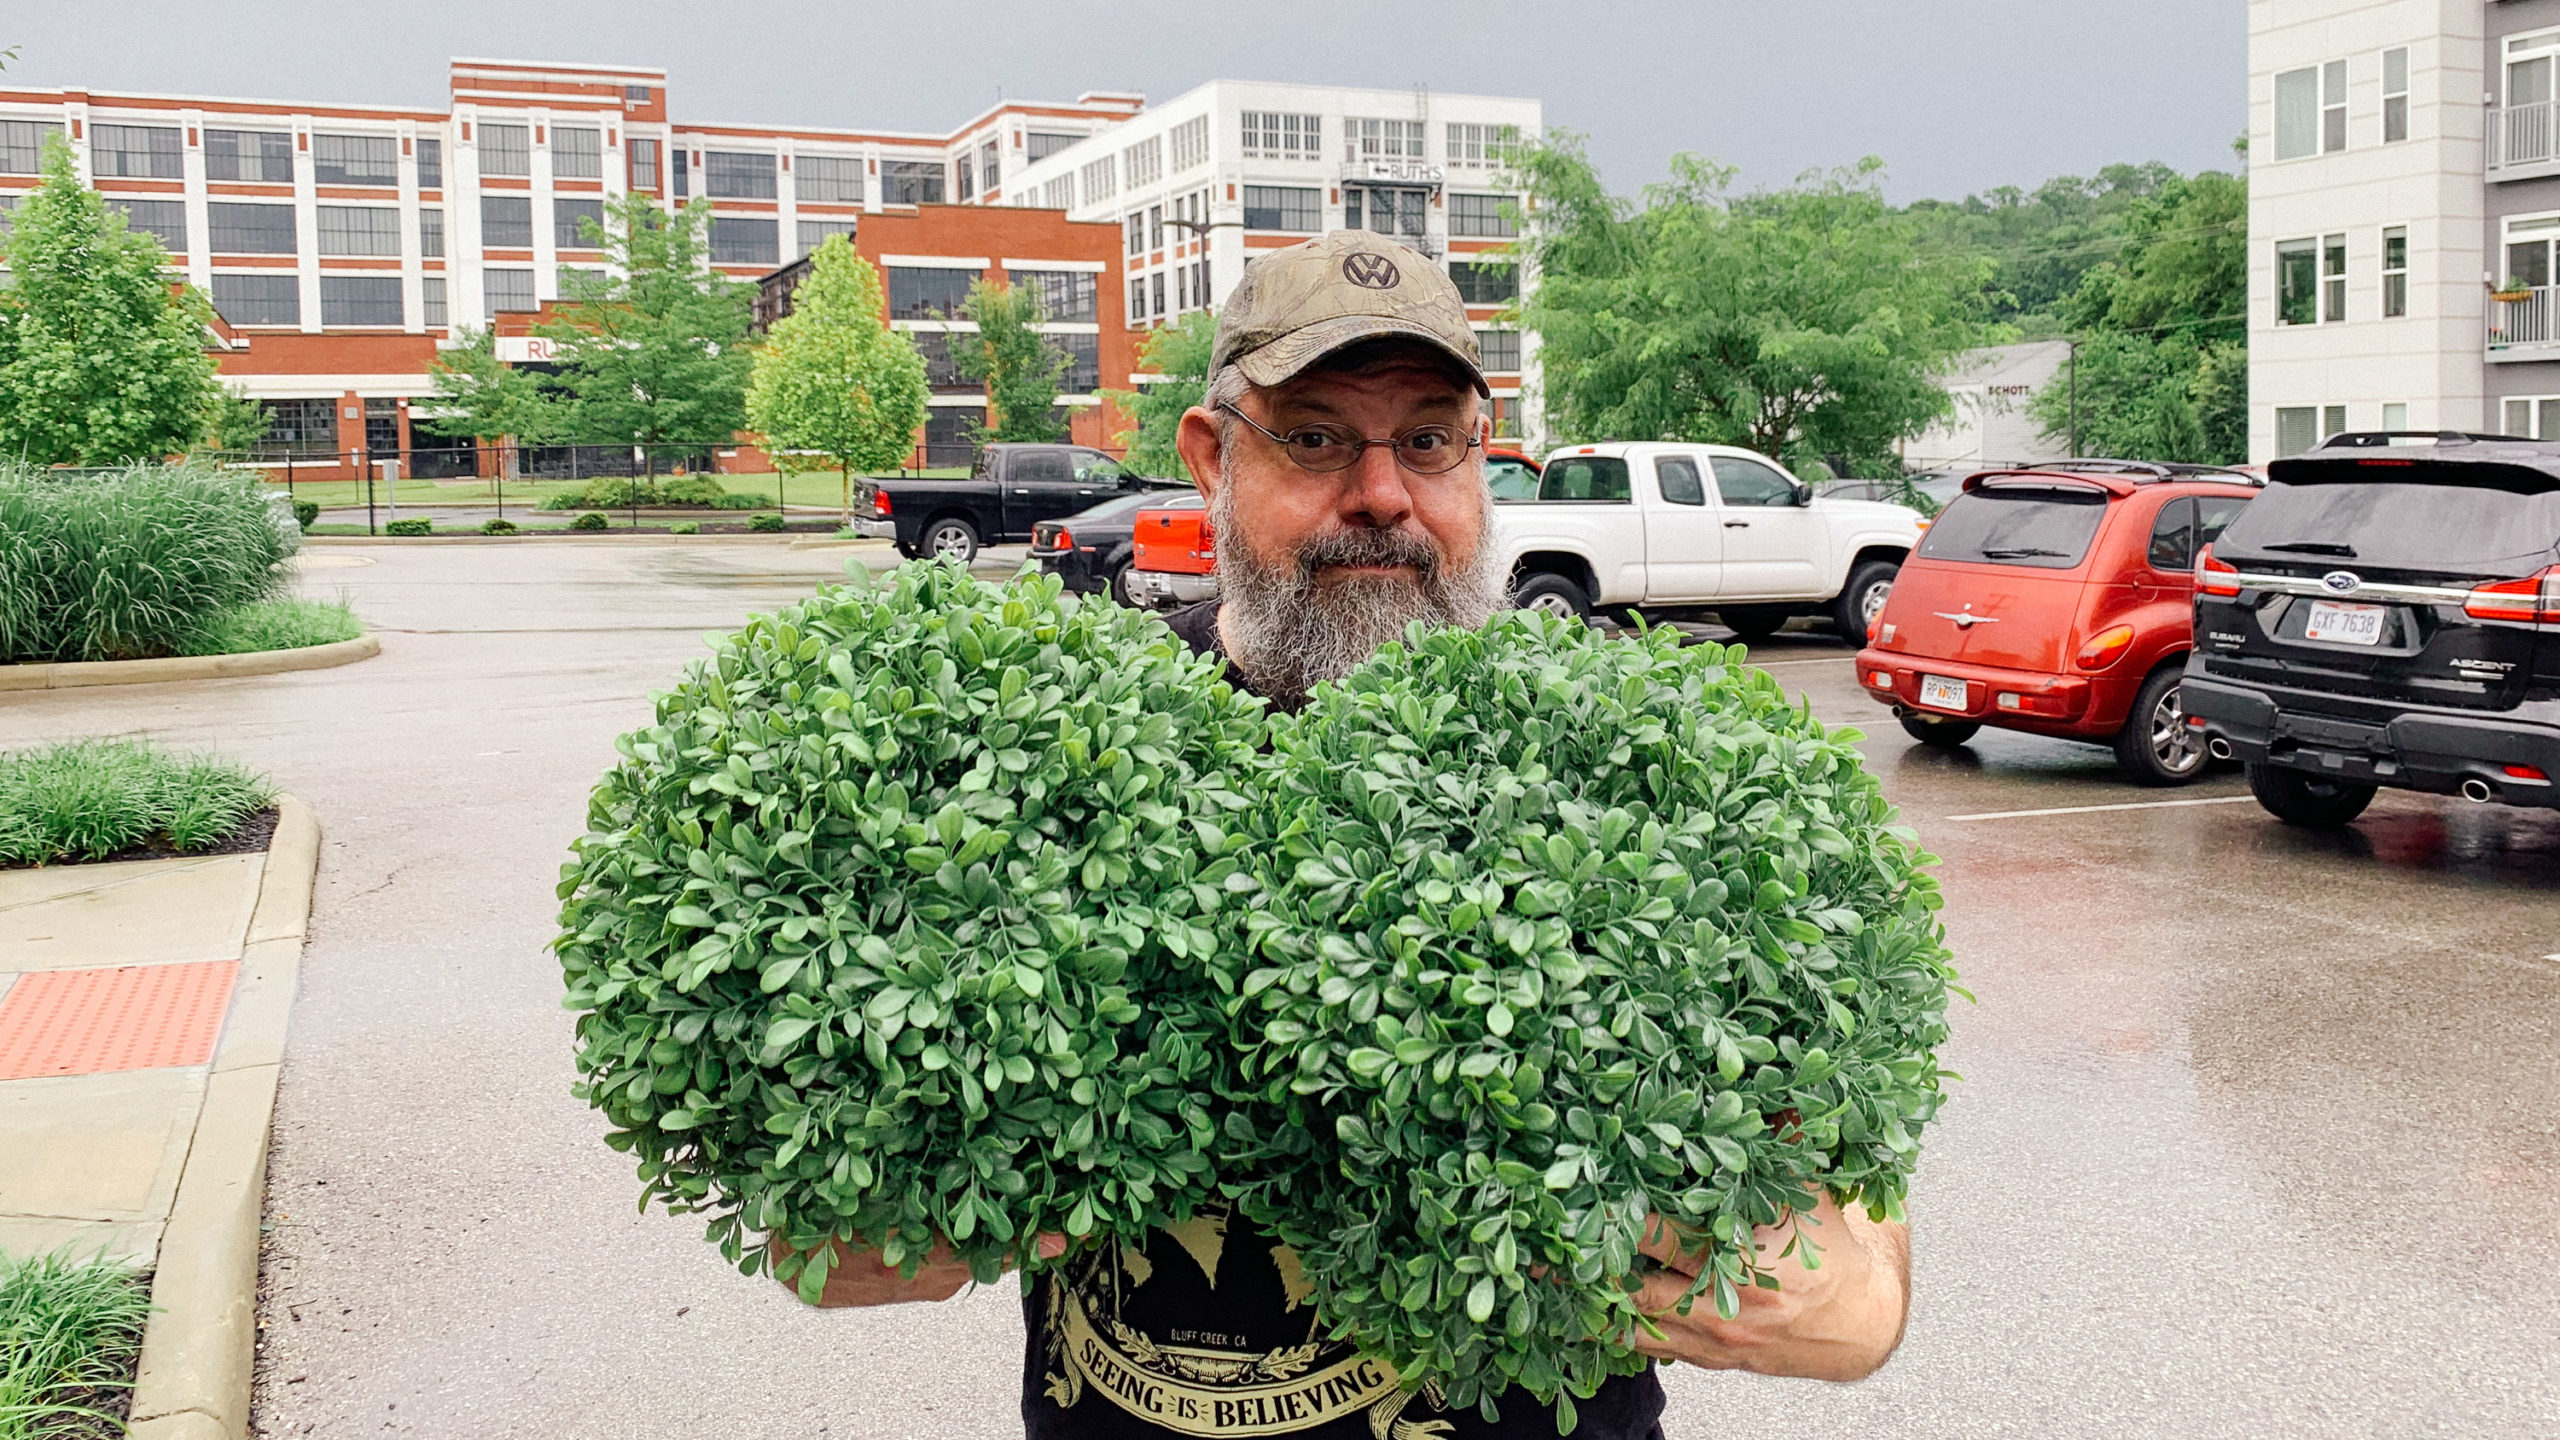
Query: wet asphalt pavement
{"x": 2259, "y": 1132}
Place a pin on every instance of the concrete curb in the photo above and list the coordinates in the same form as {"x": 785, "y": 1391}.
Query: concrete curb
{"x": 201, "y": 1345}
{"x": 63, "y": 675}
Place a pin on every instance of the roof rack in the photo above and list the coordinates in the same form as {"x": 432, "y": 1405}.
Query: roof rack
{"x": 2369, "y": 439}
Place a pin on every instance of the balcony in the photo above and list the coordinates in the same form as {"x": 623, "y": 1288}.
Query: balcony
{"x": 2524, "y": 141}
{"x": 2526, "y": 329}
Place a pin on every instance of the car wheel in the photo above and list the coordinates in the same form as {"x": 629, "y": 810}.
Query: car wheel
{"x": 1119, "y": 588}
{"x": 2299, "y": 798}
{"x": 951, "y": 538}
{"x": 1754, "y": 623}
{"x": 1940, "y": 734}
{"x": 2157, "y": 746}
{"x": 1553, "y": 594}
{"x": 1862, "y": 599}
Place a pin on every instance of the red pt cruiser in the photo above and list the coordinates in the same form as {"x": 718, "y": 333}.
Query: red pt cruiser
{"x": 2055, "y": 600}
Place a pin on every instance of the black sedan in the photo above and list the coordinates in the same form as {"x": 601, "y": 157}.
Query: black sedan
{"x": 1090, "y": 549}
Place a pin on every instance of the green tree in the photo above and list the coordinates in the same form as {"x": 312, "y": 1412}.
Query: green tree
{"x": 483, "y": 398}
{"x": 1806, "y": 322}
{"x": 1018, "y": 366}
{"x": 1179, "y": 353}
{"x": 237, "y": 422}
{"x": 102, "y": 355}
{"x": 652, "y": 348}
{"x": 832, "y": 377}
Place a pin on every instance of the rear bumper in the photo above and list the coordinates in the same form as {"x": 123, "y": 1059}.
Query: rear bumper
{"x": 1074, "y": 569}
{"x": 2057, "y": 704}
{"x": 876, "y": 529}
{"x": 1166, "y": 590}
{"x": 2396, "y": 747}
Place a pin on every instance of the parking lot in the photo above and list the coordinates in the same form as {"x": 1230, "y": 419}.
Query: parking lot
{"x": 2257, "y": 1134}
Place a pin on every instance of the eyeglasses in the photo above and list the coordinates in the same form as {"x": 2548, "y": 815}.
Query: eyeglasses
{"x": 1325, "y": 449}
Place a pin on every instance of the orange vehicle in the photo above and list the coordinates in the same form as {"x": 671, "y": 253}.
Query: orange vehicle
{"x": 1174, "y": 561}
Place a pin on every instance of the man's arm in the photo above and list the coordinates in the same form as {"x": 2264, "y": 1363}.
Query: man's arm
{"x": 859, "y": 1278}
{"x": 1840, "y": 1322}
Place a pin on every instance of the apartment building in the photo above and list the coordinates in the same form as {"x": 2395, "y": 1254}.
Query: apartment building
{"x": 1204, "y": 182}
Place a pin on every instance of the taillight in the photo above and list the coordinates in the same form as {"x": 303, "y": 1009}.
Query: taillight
{"x": 880, "y": 503}
{"x": 2215, "y": 577}
{"x": 2535, "y": 598}
{"x": 1063, "y": 540}
{"x": 2104, "y": 648}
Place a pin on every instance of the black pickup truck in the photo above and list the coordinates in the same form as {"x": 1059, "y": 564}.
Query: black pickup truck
{"x": 1013, "y": 487}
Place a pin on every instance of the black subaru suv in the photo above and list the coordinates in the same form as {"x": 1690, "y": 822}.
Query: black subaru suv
{"x": 2387, "y": 613}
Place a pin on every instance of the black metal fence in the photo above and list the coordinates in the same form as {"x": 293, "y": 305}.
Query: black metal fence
{"x": 375, "y": 478}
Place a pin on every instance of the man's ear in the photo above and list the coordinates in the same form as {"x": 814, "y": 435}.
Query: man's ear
{"x": 1197, "y": 441}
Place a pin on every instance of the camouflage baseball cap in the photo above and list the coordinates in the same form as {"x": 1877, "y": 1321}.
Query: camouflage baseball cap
{"x": 1295, "y": 306}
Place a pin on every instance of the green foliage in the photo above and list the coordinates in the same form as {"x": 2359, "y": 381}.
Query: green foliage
{"x": 2041, "y": 242}
{"x": 479, "y": 397}
{"x": 272, "y": 625}
{"x": 414, "y": 525}
{"x": 832, "y": 379}
{"x": 86, "y": 799}
{"x": 767, "y": 523}
{"x": 1180, "y": 353}
{"x": 237, "y": 422}
{"x": 306, "y": 513}
{"x": 498, "y": 525}
{"x": 102, "y": 360}
{"x": 1802, "y": 322}
{"x": 685, "y": 527}
{"x": 621, "y": 492}
{"x": 734, "y": 500}
{"x": 1544, "y": 932}
{"x": 589, "y": 521}
{"x": 123, "y": 566}
{"x": 69, "y": 1329}
{"x": 860, "y": 921}
{"x": 1018, "y": 366}
{"x": 2147, "y": 398}
{"x": 653, "y": 347}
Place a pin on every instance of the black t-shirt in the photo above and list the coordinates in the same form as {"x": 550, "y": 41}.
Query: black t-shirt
{"x": 1207, "y": 1331}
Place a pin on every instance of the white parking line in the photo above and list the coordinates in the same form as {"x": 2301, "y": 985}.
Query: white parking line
{"x": 2094, "y": 809}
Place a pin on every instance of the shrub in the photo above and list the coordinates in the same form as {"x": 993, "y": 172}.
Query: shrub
{"x": 306, "y": 513}
{"x": 589, "y": 521}
{"x": 695, "y": 490}
{"x": 685, "y": 527}
{"x": 414, "y": 525}
{"x": 272, "y": 625}
{"x": 497, "y": 525}
{"x": 120, "y": 566}
{"x": 83, "y": 799}
{"x": 69, "y": 1329}
{"x": 736, "y": 501}
{"x": 857, "y": 924}
{"x": 764, "y": 522}
{"x": 1551, "y": 932}
{"x": 564, "y": 500}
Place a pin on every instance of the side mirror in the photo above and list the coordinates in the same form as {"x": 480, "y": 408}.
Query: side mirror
{"x": 1803, "y": 492}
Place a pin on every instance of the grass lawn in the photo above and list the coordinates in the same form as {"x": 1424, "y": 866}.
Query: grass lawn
{"x": 70, "y": 1336}
{"x": 273, "y": 625}
{"x": 86, "y": 799}
{"x": 810, "y": 489}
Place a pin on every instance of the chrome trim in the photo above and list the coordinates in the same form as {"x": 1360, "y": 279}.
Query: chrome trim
{"x": 2368, "y": 590}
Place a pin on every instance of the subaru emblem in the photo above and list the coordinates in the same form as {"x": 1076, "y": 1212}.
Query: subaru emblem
{"x": 2341, "y": 582}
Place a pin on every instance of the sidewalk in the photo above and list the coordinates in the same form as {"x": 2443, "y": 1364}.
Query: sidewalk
{"x": 142, "y": 1018}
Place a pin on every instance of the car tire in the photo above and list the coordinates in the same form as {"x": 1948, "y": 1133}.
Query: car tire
{"x": 1754, "y": 623}
{"x": 2297, "y": 797}
{"x": 1119, "y": 590}
{"x": 2156, "y": 745}
{"x": 1940, "y": 734}
{"x": 950, "y": 538}
{"x": 1553, "y": 594}
{"x": 1862, "y": 599}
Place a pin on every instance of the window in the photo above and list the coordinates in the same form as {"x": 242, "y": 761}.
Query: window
{"x": 1039, "y": 145}
{"x": 2333, "y": 278}
{"x": 431, "y": 302}
{"x": 1678, "y": 477}
{"x": 2297, "y": 113}
{"x": 1136, "y": 225}
{"x": 265, "y": 299}
{"x": 2297, "y": 282}
{"x": 2395, "y": 95}
{"x": 1482, "y": 147}
{"x": 142, "y": 152}
{"x": 684, "y": 174}
{"x": 579, "y": 282}
{"x": 569, "y": 219}
{"x": 735, "y": 175}
{"x": 1064, "y": 296}
{"x": 1143, "y": 163}
{"x": 1585, "y": 477}
{"x": 1100, "y": 180}
{"x": 1083, "y": 374}
{"x": 8, "y": 203}
{"x": 256, "y": 157}
{"x": 166, "y": 219}
{"x": 2041, "y": 527}
{"x": 238, "y": 229}
{"x": 746, "y": 240}
{"x": 968, "y": 178}
{"x": 644, "y": 164}
{"x": 506, "y": 222}
{"x": 431, "y": 164}
{"x": 1500, "y": 350}
{"x": 431, "y": 231}
{"x": 1270, "y": 136}
{"x": 355, "y": 160}
{"x": 577, "y": 152}
{"x": 940, "y": 370}
{"x": 2333, "y": 107}
{"x": 1155, "y": 227}
{"x": 1299, "y": 210}
{"x": 2532, "y": 417}
{"x": 1382, "y": 139}
{"x": 1512, "y": 480}
{"x": 636, "y": 94}
{"x": 1155, "y": 291}
{"x": 1387, "y": 212}
{"x": 1483, "y": 283}
{"x": 1749, "y": 483}
{"x": 22, "y": 145}
{"x": 911, "y": 182}
{"x": 2173, "y": 537}
{"x": 828, "y": 179}
{"x": 2333, "y": 419}
{"x": 2395, "y": 416}
{"x": 2297, "y": 428}
{"x": 1190, "y": 144}
{"x": 506, "y": 290}
{"x": 360, "y": 300}
{"x": 919, "y": 292}
{"x": 2395, "y": 270}
{"x": 814, "y": 233}
{"x": 1137, "y": 300}
{"x": 299, "y": 427}
{"x": 1481, "y": 215}
{"x": 358, "y": 230}
{"x": 1059, "y": 194}
{"x": 990, "y": 167}
{"x": 505, "y": 150}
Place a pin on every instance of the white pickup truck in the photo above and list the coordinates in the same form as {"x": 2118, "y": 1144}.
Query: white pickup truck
{"x": 1672, "y": 528}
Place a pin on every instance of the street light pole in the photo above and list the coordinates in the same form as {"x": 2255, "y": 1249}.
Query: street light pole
{"x": 2075, "y": 397}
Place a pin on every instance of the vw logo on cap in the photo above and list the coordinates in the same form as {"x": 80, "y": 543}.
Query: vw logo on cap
{"x": 1370, "y": 270}
{"x": 2341, "y": 582}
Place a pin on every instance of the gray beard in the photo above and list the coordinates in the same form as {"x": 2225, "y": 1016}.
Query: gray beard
{"x": 1289, "y": 632}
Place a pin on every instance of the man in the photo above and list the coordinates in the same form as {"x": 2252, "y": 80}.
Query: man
{"x": 1340, "y": 448}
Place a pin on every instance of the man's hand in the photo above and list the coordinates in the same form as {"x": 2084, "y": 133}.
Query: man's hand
{"x": 1839, "y": 1322}
{"x": 859, "y": 1278}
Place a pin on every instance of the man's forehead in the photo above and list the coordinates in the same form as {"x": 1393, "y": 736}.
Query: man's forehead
{"x": 1412, "y": 385}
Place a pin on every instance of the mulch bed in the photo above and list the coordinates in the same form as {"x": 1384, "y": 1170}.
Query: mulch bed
{"x": 253, "y": 835}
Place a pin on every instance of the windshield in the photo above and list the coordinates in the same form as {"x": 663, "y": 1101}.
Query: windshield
{"x": 2048, "y": 527}
{"x": 1510, "y": 480}
{"x": 2461, "y": 529}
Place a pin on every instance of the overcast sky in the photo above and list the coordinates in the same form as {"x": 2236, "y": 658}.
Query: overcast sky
{"x": 1955, "y": 95}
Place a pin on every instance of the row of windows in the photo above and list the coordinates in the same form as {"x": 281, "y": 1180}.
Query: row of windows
{"x": 152, "y": 152}
{"x": 345, "y": 300}
{"x": 506, "y": 223}
{"x": 932, "y": 292}
{"x": 1299, "y": 210}
{"x": 2311, "y": 276}
{"x": 1082, "y": 375}
{"x": 2311, "y": 105}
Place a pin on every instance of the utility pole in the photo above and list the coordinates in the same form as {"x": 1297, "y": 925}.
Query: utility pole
{"x": 2075, "y": 397}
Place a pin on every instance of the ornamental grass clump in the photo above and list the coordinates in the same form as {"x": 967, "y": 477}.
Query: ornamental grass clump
{"x": 1554, "y": 932}
{"x": 862, "y": 921}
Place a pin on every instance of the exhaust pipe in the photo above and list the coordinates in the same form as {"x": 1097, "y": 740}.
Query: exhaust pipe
{"x": 2218, "y": 748}
{"x": 2477, "y": 791}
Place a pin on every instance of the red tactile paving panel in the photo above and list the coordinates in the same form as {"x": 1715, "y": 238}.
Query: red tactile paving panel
{"x": 133, "y": 1017}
